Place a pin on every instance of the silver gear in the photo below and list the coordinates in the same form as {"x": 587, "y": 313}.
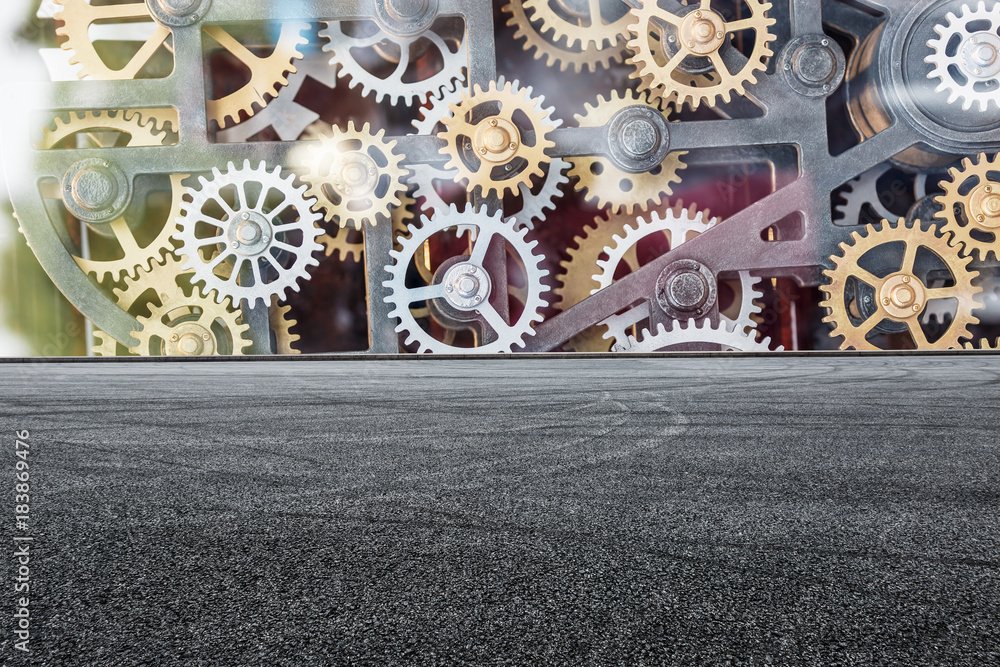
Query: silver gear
{"x": 249, "y": 234}
{"x": 702, "y": 332}
{"x": 977, "y": 59}
{"x": 864, "y": 190}
{"x": 534, "y": 201}
{"x": 340, "y": 44}
{"x": 508, "y": 335}
{"x": 288, "y": 118}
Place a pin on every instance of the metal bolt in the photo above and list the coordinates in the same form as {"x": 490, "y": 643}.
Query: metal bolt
{"x": 980, "y": 218}
{"x": 697, "y": 14}
{"x": 513, "y": 145}
{"x": 449, "y": 288}
{"x": 265, "y": 239}
{"x": 825, "y": 42}
{"x": 885, "y": 301}
{"x": 916, "y": 307}
{"x": 347, "y": 191}
{"x": 371, "y": 172}
{"x": 493, "y": 122}
{"x": 696, "y": 266}
{"x": 245, "y": 216}
{"x": 787, "y": 67}
{"x": 720, "y": 35}
{"x": 906, "y": 279}
{"x": 478, "y": 299}
{"x": 236, "y": 245}
{"x": 826, "y": 86}
{"x": 482, "y": 151}
{"x": 671, "y": 38}
{"x": 174, "y": 338}
{"x": 206, "y": 337}
{"x": 988, "y": 188}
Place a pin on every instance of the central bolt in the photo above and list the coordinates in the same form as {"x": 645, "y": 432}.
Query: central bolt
{"x": 406, "y": 9}
{"x": 248, "y": 232}
{"x": 985, "y": 55}
{"x": 468, "y": 286}
{"x": 354, "y": 174}
{"x": 496, "y": 139}
{"x": 639, "y": 137}
{"x": 189, "y": 345}
{"x": 991, "y": 206}
{"x": 94, "y": 189}
{"x": 687, "y": 291}
{"x": 703, "y": 31}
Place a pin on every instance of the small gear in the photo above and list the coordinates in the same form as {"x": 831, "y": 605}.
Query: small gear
{"x": 596, "y": 24}
{"x": 244, "y": 249}
{"x": 427, "y": 63}
{"x": 463, "y": 291}
{"x": 165, "y": 291}
{"x": 556, "y": 52}
{"x": 611, "y": 186}
{"x": 535, "y": 197}
{"x": 496, "y": 139}
{"x": 871, "y": 289}
{"x": 970, "y": 205}
{"x": 695, "y": 42}
{"x": 78, "y": 17}
{"x": 267, "y": 73}
{"x": 697, "y": 334}
{"x": 281, "y": 326}
{"x": 966, "y": 56}
{"x": 882, "y": 193}
{"x": 289, "y": 119}
{"x": 355, "y": 176}
{"x": 102, "y": 129}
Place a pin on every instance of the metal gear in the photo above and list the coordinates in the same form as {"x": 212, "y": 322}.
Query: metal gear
{"x": 597, "y": 24}
{"x": 557, "y": 53}
{"x": 701, "y": 33}
{"x": 465, "y": 287}
{"x": 698, "y": 333}
{"x": 376, "y": 47}
{"x": 249, "y": 251}
{"x": 354, "y": 175}
{"x": 535, "y": 197}
{"x": 865, "y": 200}
{"x": 164, "y": 289}
{"x": 606, "y": 183}
{"x": 970, "y": 205}
{"x": 288, "y": 118}
{"x": 267, "y": 73}
{"x": 281, "y": 326}
{"x": 77, "y": 17}
{"x": 486, "y": 144}
{"x": 349, "y": 243}
{"x": 984, "y": 344}
{"x": 970, "y": 71}
{"x": 102, "y": 129}
{"x": 858, "y": 299}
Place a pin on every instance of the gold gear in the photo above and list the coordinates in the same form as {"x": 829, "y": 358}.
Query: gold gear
{"x": 103, "y": 129}
{"x": 556, "y": 53}
{"x": 582, "y": 27}
{"x": 281, "y": 326}
{"x": 76, "y": 17}
{"x": 267, "y": 73}
{"x": 603, "y": 181}
{"x": 984, "y": 344}
{"x": 489, "y": 151}
{"x": 900, "y": 296}
{"x": 190, "y": 328}
{"x": 354, "y": 175}
{"x": 700, "y": 33}
{"x": 166, "y": 288}
{"x": 976, "y": 211}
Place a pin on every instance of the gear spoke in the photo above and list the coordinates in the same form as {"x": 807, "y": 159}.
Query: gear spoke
{"x": 493, "y": 318}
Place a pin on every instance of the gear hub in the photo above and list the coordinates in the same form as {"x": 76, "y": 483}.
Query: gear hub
{"x": 177, "y": 13}
{"x": 814, "y": 65}
{"x": 96, "y": 190}
{"x": 638, "y": 138}
{"x": 686, "y": 289}
{"x": 703, "y": 32}
{"x": 466, "y": 286}
{"x": 902, "y": 296}
{"x": 405, "y": 18}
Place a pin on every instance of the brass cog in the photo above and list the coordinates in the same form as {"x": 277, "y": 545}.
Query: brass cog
{"x": 973, "y": 217}
{"x": 703, "y": 34}
{"x": 349, "y": 243}
{"x": 281, "y": 326}
{"x": 486, "y": 145}
{"x": 607, "y": 184}
{"x": 355, "y": 176}
{"x": 268, "y": 73}
{"x": 984, "y": 344}
{"x": 597, "y": 24}
{"x": 192, "y": 327}
{"x": 102, "y": 129}
{"x": 164, "y": 289}
{"x": 557, "y": 53}
{"x": 76, "y": 18}
{"x": 902, "y": 295}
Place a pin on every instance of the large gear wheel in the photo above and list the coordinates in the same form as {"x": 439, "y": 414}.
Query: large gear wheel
{"x": 874, "y": 288}
{"x": 362, "y": 49}
{"x": 463, "y": 290}
{"x": 534, "y": 198}
{"x": 496, "y": 138}
{"x": 607, "y": 184}
{"x": 966, "y": 56}
{"x": 355, "y": 176}
{"x": 970, "y": 205}
{"x": 696, "y": 41}
{"x": 249, "y": 233}
{"x": 597, "y": 24}
{"x": 267, "y": 73}
{"x": 78, "y": 17}
{"x": 165, "y": 291}
{"x": 692, "y": 335}
{"x": 555, "y": 52}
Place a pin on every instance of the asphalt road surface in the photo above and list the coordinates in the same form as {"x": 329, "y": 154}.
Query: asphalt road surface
{"x": 755, "y": 511}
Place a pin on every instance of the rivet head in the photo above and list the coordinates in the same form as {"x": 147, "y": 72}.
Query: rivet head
{"x": 916, "y": 307}
{"x": 906, "y": 279}
{"x": 206, "y": 337}
{"x": 235, "y": 245}
{"x": 885, "y": 302}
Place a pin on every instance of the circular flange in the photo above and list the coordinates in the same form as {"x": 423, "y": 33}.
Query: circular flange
{"x": 903, "y": 296}
{"x": 357, "y": 175}
{"x": 177, "y": 13}
{"x": 190, "y": 339}
{"x": 703, "y": 32}
{"x": 813, "y": 65}
{"x": 984, "y": 206}
{"x": 96, "y": 190}
{"x": 466, "y": 286}
{"x": 686, "y": 289}
{"x": 405, "y": 18}
{"x": 496, "y": 140}
{"x": 249, "y": 233}
{"x": 638, "y": 139}
{"x": 980, "y": 56}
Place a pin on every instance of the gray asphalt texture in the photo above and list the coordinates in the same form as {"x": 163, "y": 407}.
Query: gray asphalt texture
{"x": 788, "y": 511}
